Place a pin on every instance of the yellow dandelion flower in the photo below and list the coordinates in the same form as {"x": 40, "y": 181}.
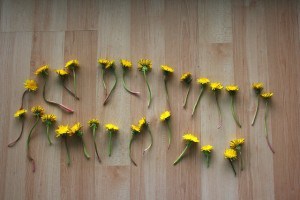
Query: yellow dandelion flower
{"x": 20, "y": 113}
{"x": 106, "y": 63}
{"x": 37, "y": 110}
{"x": 230, "y": 154}
{"x": 62, "y": 72}
{"x": 43, "y": 70}
{"x": 207, "y": 148}
{"x": 267, "y": 95}
{"x": 216, "y": 86}
{"x": 126, "y": 64}
{"x": 232, "y": 88}
{"x": 48, "y": 118}
{"x": 144, "y": 64}
{"x": 72, "y": 64}
{"x": 75, "y": 128}
{"x": 111, "y": 127}
{"x": 30, "y": 85}
{"x": 93, "y": 122}
{"x": 165, "y": 116}
{"x": 142, "y": 122}
{"x": 186, "y": 77}
{"x": 62, "y": 130}
{"x": 167, "y": 69}
{"x": 135, "y": 129}
{"x": 237, "y": 142}
{"x": 258, "y": 86}
{"x": 190, "y": 138}
{"x": 203, "y": 81}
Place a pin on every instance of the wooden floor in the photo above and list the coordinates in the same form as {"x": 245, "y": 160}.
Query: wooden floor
{"x": 228, "y": 41}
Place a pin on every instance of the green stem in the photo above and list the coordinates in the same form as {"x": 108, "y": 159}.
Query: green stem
{"x": 256, "y": 111}
{"x": 109, "y": 143}
{"x": 130, "y": 143}
{"x": 74, "y": 78}
{"x": 186, "y": 97}
{"x": 28, "y": 143}
{"x": 241, "y": 158}
{"x": 230, "y": 161}
{"x": 86, "y": 154}
{"x": 207, "y": 159}
{"x": 20, "y": 135}
{"x": 68, "y": 151}
{"x": 48, "y": 136}
{"x": 266, "y": 127}
{"x": 167, "y": 92}
{"x": 70, "y": 92}
{"x": 233, "y": 112}
{"x": 125, "y": 86}
{"x": 198, "y": 99}
{"x": 113, "y": 88}
{"x": 151, "y": 141}
{"x": 182, "y": 154}
{"x": 169, "y": 133}
{"x": 149, "y": 90}
{"x": 95, "y": 144}
{"x": 219, "y": 110}
{"x": 103, "y": 82}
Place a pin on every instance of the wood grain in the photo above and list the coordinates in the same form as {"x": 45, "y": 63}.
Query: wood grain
{"x": 234, "y": 42}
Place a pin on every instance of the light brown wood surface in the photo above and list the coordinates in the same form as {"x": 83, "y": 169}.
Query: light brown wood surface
{"x": 237, "y": 42}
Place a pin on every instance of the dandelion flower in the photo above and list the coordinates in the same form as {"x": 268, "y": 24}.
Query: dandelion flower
{"x": 76, "y": 129}
{"x": 203, "y": 83}
{"x": 30, "y": 86}
{"x": 257, "y": 87}
{"x": 20, "y": 114}
{"x": 187, "y": 79}
{"x": 111, "y": 129}
{"x": 207, "y": 149}
{"x": 73, "y": 65}
{"x": 63, "y": 74}
{"x": 165, "y": 117}
{"x": 107, "y": 65}
{"x": 231, "y": 155}
{"x": 232, "y": 90}
{"x": 48, "y": 120}
{"x": 267, "y": 97}
{"x": 42, "y": 71}
{"x": 127, "y": 65}
{"x": 135, "y": 130}
{"x": 190, "y": 139}
{"x": 145, "y": 66}
{"x": 64, "y": 131}
{"x": 143, "y": 124}
{"x": 167, "y": 71}
{"x": 216, "y": 87}
{"x": 237, "y": 144}
{"x": 94, "y": 124}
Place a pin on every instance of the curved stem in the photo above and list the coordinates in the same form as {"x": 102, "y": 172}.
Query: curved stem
{"x": 219, "y": 110}
{"x": 86, "y": 154}
{"x": 198, "y": 99}
{"x": 256, "y": 111}
{"x": 131, "y": 139}
{"x": 68, "y": 151}
{"x": 125, "y": 86}
{"x": 151, "y": 139}
{"x": 54, "y": 103}
{"x": 22, "y": 100}
{"x": 28, "y": 142}
{"x": 230, "y": 161}
{"x": 109, "y": 143}
{"x": 74, "y": 79}
{"x": 70, "y": 92}
{"x": 166, "y": 89}
{"x": 169, "y": 134}
{"x": 233, "y": 112}
{"x": 19, "y": 137}
{"x": 95, "y": 144}
{"x": 113, "y": 88}
{"x": 186, "y": 97}
{"x": 48, "y": 136}
{"x": 103, "y": 82}
{"x": 266, "y": 127}
{"x": 182, "y": 154}
{"x": 149, "y": 90}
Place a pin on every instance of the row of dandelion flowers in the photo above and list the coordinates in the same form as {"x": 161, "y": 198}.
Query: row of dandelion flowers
{"x": 145, "y": 66}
